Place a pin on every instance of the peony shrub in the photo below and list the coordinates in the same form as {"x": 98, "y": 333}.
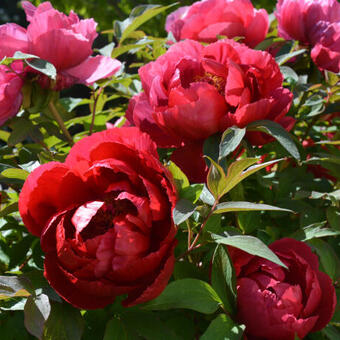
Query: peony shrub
{"x": 174, "y": 176}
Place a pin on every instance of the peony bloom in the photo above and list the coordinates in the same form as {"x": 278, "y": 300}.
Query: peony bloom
{"x": 205, "y": 20}
{"x": 65, "y": 41}
{"x": 104, "y": 219}
{"x": 12, "y": 38}
{"x": 276, "y": 303}
{"x": 315, "y": 23}
{"x": 326, "y": 52}
{"x": 194, "y": 91}
{"x": 10, "y": 91}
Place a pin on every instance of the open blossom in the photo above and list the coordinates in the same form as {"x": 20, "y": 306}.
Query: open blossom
{"x": 104, "y": 219}
{"x": 10, "y": 91}
{"x": 65, "y": 41}
{"x": 194, "y": 91}
{"x": 326, "y": 51}
{"x": 315, "y": 23}
{"x": 275, "y": 303}
{"x": 205, "y": 20}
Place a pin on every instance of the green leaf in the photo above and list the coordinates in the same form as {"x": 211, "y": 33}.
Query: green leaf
{"x": 182, "y": 211}
{"x": 223, "y": 278}
{"x": 278, "y": 132}
{"x": 44, "y": 67}
{"x": 216, "y": 179}
{"x": 328, "y": 257}
{"x": 148, "y": 325}
{"x": 333, "y": 217}
{"x": 64, "y": 323}
{"x": 250, "y": 245}
{"x": 17, "y": 56}
{"x": 13, "y": 286}
{"x": 315, "y": 230}
{"x": 192, "y": 192}
{"x": 237, "y": 173}
{"x": 187, "y": 293}
{"x": 9, "y": 209}
{"x": 206, "y": 196}
{"x": 230, "y": 140}
{"x": 115, "y": 330}
{"x": 181, "y": 180}
{"x": 223, "y": 328}
{"x": 138, "y": 16}
{"x": 244, "y": 206}
{"x": 288, "y": 73}
{"x": 282, "y": 59}
{"x": 15, "y": 173}
{"x": 37, "y": 310}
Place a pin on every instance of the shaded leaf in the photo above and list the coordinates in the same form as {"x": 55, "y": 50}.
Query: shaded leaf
{"x": 245, "y": 206}
{"x": 230, "y": 140}
{"x": 223, "y": 278}
{"x": 182, "y": 211}
{"x": 250, "y": 245}
{"x": 278, "y": 132}
{"x": 37, "y": 310}
{"x": 189, "y": 294}
{"x": 223, "y": 328}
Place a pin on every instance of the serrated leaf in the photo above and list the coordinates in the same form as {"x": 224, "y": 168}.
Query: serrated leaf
{"x": 189, "y": 294}
{"x": 37, "y": 310}
{"x": 230, "y": 140}
{"x": 223, "y": 328}
{"x": 278, "y": 132}
{"x": 182, "y": 211}
{"x": 245, "y": 206}
{"x": 216, "y": 179}
{"x": 223, "y": 278}
{"x": 250, "y": 245}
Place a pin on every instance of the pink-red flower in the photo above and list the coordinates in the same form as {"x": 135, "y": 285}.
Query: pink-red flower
{"x": 10, "y": 91}
{"x": 276, "y": 303}
{"x": 104, "y": 219}
{"x": 206, "y": 20}
{"x": 315, "y": 23}
{"x": 65, "y": 41}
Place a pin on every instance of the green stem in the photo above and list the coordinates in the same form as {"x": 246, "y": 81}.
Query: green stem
{"x": 60, "y": 122}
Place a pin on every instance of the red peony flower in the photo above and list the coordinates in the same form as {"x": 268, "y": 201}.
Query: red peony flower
{"x": 104, "y": 219}
{"x": 205, "y": 20}
{"x": 10, "y": 91}
{"x": 194, "y": 91}
{"x": 276, "y": 303}
{"x": 326, "y": 52}
{"x": 314, "y": 23}
{"x": 65, "y": 41}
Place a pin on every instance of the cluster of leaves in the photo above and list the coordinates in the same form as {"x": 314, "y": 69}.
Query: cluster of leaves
{"x": 245, "y": 203}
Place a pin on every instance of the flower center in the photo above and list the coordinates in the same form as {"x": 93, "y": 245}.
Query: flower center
{"x": 217, "y": 81}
